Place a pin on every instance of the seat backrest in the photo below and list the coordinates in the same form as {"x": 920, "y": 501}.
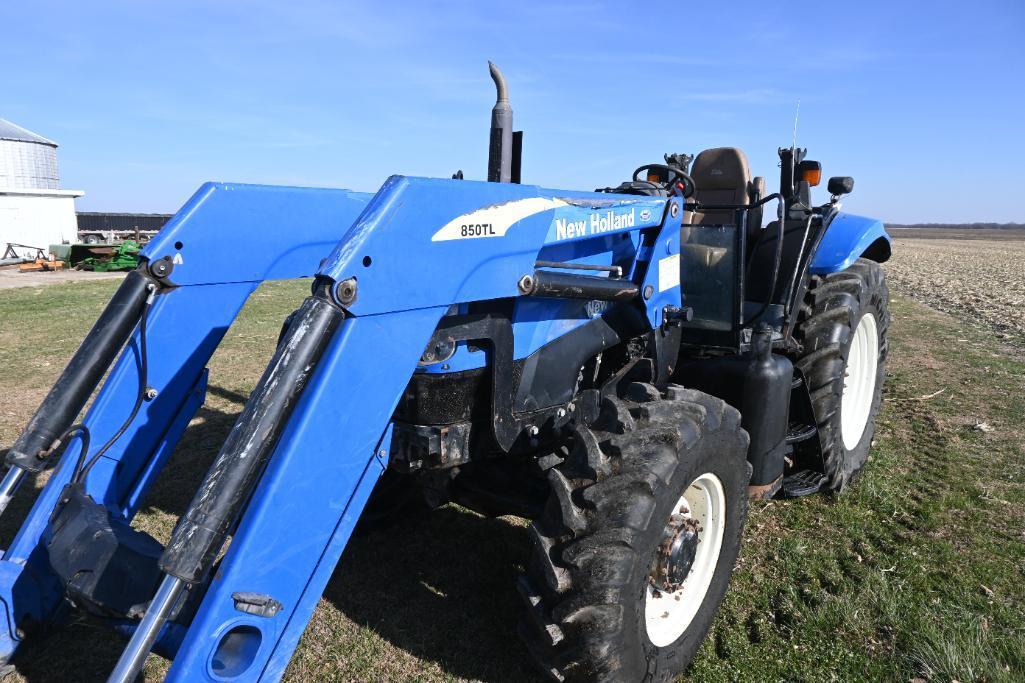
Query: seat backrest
{"x": 722, "y": 176}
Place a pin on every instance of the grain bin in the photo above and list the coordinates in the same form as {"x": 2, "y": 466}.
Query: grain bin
{"x": 34, "y": 211}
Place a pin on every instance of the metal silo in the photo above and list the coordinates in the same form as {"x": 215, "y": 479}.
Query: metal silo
{"x": 34, "y": 211}
{"x": 27, "y": 161}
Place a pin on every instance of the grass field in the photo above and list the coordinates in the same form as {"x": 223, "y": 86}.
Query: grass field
{"x": 917, "y": 572}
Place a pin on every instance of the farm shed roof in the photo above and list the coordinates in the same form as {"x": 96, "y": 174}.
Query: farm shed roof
{"x": 12, "y": 131}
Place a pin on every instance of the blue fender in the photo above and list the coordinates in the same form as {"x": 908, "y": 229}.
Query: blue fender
{"x": 849, "y": 237}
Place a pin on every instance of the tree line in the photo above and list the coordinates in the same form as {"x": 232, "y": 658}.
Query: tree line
{"x": 959, "y": 226}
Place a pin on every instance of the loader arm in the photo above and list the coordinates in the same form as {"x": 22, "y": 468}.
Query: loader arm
{"x": 287, "y": 234}
{"x": 296, "y": 470}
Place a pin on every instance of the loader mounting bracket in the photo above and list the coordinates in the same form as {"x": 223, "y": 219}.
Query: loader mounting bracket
{"x": 496, "y": 332}
{"x": 106, "y": 567}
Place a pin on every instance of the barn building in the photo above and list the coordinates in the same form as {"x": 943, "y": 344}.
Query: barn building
{"x": 34, "y": 211}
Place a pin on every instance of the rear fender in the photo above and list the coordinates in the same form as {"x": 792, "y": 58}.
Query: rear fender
{"x": 848, "y": 238}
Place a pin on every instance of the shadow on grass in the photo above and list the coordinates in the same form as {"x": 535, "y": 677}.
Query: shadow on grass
{"x": 440, "y": 587}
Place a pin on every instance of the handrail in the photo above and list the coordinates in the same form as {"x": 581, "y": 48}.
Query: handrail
{"x": 698, "y": 206}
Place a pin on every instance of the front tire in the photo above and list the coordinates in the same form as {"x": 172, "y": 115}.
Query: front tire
{"x": 637, "y": 543}
{"x": 843, "y": 330}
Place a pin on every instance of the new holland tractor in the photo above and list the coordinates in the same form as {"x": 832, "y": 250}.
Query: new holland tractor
{"x": 625, "y": 367}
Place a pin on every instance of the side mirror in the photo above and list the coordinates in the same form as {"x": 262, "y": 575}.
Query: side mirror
{"x": 841, "y": 184}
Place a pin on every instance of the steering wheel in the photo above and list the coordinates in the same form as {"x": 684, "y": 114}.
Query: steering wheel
{"x": 677, "y": 178}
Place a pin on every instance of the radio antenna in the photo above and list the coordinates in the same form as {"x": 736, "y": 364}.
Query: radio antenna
{"x": 797, "y": 115}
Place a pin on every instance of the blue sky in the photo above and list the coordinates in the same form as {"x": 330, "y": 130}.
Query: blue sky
{"x": 922, "y": 102}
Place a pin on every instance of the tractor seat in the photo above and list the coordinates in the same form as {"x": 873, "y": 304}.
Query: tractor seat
{"x": 722, "y": 176}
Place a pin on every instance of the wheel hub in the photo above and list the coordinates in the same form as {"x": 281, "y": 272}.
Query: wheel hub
{"x": 685, "y": 560}
{"x": 676, "y": 553}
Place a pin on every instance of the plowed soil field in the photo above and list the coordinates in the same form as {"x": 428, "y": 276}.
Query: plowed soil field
{"x": 957, "y": 272}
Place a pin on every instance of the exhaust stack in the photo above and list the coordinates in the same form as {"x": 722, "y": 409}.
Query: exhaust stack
{"x": 505, "y": 148}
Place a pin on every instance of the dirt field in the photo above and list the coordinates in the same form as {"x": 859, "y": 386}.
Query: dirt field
{"x": 10, "y": 278}
{"x": 1001, "y": 235}
{"x": 917, "y": 572}
{"x": 979, "y": 276}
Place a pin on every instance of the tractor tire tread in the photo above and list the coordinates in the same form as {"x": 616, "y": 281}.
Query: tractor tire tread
{"x": 586, "y": 542}
{"x": 830, "y": 312}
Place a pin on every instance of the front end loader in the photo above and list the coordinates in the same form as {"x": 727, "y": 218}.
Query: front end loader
{"x": 626, "y": 368}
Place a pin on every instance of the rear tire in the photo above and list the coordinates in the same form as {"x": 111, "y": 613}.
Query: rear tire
{"x": 843, "y": 330}
{"x": 652, "y": 466}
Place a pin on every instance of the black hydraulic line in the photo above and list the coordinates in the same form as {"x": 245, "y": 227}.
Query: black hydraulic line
{"x": 569, "y": 286}
{"x": 777, "y": 262}
{"x": 202, "y": 530}
{"x": 71, "y": 391}
{"x": 81, "y": 472}
{"x": 83, "y": 432}
{"x": 797, "y": 269}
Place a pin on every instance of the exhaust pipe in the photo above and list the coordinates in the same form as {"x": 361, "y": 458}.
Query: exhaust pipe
{"x": 500, "y": 152}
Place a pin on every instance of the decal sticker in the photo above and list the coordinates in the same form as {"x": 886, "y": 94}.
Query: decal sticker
{"x": 594, "y": 224}
{"x": 178, "y": 260}
{"x": 494, "y": 221}
{"x": 596, "y": 308}
{"x": 645, "y": 214}
{"x": 668, "y": 272}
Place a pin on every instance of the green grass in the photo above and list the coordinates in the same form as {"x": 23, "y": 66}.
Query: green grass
{"x": 915, "y": 572}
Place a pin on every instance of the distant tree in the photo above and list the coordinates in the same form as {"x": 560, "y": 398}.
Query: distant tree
{"x": 958, "y": 226}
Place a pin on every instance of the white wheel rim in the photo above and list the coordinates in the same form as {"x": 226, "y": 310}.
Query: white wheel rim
{"x": 667, "y": 615}
{"x": 859, "y": 382}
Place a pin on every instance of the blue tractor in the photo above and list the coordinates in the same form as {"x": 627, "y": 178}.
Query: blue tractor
{"x": 625, "y": 367}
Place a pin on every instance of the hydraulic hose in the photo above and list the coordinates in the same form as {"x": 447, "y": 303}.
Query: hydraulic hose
{"x": 83, "y": 372}
{"x": 777, "y": 260}
{"x": 52, "y": 423}
{"x": 82, "y": 471}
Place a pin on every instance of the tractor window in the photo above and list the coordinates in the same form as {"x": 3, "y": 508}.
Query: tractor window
{"x": 708, "y": 275}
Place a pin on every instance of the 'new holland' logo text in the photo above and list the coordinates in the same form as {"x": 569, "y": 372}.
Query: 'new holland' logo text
{"x": 597, "y": 224}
